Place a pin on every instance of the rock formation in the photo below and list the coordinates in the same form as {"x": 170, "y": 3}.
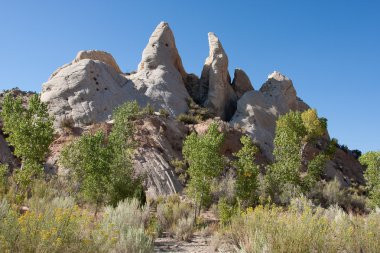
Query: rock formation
{"x": 90, "y": 87}
{"x": 257, "y": 111}
{"x": 160, "y": 75}
{"x": 87, "y": 91}
{"x": 241, "y": 83}
{"x": 98, "y": 56}
{"x": 216, "y": 81}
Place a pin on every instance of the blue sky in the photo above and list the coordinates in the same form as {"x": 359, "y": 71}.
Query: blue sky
{"x": 330, "y": 49}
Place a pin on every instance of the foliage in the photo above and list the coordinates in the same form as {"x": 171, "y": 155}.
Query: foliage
{"x": 124, "y": 228}
{"x": 226, "y": 210}
{"x": 205, "y": 162}
{"x": 67, "y": 123}
{"x": 30, "y": 131}
{"x": 104, "y": 166}
{"x": 188, "y": 119}
{"x": 170, "y": 211}
{"x": 58, "y": 225}
{"x": 180, "y": 170}
{"x": 247, "y": 172}
{"x": 185, "y": 228}
{"x": 3, "y": 178}
{"x": 53, "y": 228}
{"x": 372, "y": 175}
{"x": 304, "y": 228}
{"x": 294, "y": 131}
{"x": 89, "y": 158}
{"x": 163, "y": 113}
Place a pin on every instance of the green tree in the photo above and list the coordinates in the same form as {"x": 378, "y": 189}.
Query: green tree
{"x": 30, "y": 131}
{"x": 372, "y": 175}
{"x": 247, "y": 172}
{"x": 294, "y": 131}
{"x": 89, "y": 159}
{"x": 202, "y": 153}
{"x": 103, "y": 165}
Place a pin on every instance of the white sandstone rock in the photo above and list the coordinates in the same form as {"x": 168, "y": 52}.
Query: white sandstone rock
{"x": 257, "y": 111}
{"x": 87, "y": 91}
{"x": 241, "y": 83}
{"x": 160, "y": 74}
{"x": 216, "y": 79}
{"x": 90, "y": 87}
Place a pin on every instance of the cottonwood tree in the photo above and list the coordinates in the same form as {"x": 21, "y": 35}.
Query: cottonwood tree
{"x": 294, "y": 131}
{"x": 372, "y": 175}
{"x": 247, "y": 173}
{"x": 103, "y": 164}
{"x": 202, "y": 153}
{"x": 30, "y": 131}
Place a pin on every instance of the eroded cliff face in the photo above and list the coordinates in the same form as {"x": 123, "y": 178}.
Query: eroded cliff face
{"x": 89, "y": 88}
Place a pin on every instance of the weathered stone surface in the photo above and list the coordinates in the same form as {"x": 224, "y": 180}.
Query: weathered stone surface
{"x": 87, "y": 91}
{"x": 92, "y": 86}
{"x": 161, "y": 141}
{"x": 160, "y": 74}
{"x": 257, "y": 111}
{"x": 241, "y": 83}
{"x": 216, "y": 81}
{"x": 98, "y": 56}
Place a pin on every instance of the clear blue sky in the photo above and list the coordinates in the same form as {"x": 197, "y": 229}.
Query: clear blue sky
{"x": 330, "y": 49}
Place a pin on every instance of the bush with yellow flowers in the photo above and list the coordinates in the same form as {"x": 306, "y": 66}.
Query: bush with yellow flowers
{"x": 304, "y": 228}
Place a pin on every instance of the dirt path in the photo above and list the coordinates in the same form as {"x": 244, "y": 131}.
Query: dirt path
{"x": 198, "y": 244}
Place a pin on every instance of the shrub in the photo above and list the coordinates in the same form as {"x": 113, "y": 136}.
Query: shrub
{"x": 163, "y": 113}
{"x": 304, "y": 229}
{"x": 124, "y": 228}
{"x": 226, "y": 210}
{"x": 3, "y": 179}
{"x": 372, "y": 161}
{"x": 147, "y": 110}
{"x": 188, "y": 119}
{"x": 224, "y": 187}
{"x": 185, "y": 228}
{"x": 53, "y": 228}
{"x": 170, "y": 212}
{"x": 67, "y": 122}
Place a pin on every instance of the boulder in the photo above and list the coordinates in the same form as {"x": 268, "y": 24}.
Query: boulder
{"x": 160, "y": 75}
{"x": 216, "y": 80}
{"x": 241, "y": 83}
{"x": 257, "y": 111}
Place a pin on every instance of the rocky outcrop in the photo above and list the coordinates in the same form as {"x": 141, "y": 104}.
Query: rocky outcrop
{"x": 160, "y": 75}
{"x": 257, "y": 111}
{"x": 90, "y": 87}
{"x": 87, "y": 91}
{"x": 241, "y": 83}
{"x": 216, "y": 81}
{"x": 160, "y": 142}
{"x": 97, "y": 55}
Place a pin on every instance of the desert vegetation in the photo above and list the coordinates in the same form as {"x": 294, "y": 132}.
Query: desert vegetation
{"x": 100, "y": 205}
